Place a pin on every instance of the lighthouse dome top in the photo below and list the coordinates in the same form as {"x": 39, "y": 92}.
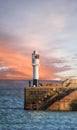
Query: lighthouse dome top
{"x": 35, "y": 52}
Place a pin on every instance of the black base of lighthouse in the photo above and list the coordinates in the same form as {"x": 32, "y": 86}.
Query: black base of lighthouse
{"x": 35, "y": 82}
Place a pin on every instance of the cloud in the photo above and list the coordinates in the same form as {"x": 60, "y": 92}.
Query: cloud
{"x": 18, "y": 66}
{"x": 18, "y": 61}
{"x": 47, "y": 26}
{"x": 3, "y": 68}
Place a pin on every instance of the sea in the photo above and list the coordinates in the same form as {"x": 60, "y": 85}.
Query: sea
{"x": 14, "y": 117}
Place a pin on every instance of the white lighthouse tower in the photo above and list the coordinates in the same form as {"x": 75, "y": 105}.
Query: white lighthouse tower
{"x": 35, "y": 64}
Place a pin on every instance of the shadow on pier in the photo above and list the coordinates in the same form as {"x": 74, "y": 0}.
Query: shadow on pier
{"x": 56, "y": 97}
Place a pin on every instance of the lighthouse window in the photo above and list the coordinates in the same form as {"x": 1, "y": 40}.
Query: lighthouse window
{"x": 37, "y": 56}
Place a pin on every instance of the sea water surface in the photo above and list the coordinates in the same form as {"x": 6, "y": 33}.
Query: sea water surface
{"x": 14, "y": 117}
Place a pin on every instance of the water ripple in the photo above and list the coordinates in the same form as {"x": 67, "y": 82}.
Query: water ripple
{"x": 14, "y": 117}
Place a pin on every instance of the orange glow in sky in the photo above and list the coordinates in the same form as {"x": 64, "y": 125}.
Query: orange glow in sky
{"x": 42, "y": 25}
{"x": 20, "y": 66}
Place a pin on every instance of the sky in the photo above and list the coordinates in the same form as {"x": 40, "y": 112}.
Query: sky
{"x": 48, "y": 26}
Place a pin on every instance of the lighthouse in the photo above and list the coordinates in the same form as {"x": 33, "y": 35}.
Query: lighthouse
{"x": 35, "y": 64}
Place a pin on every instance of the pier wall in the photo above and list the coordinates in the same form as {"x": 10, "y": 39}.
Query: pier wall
{"x": 48, "y": 99}
{"x": 65, "y": 104}
{"x": 35, "y": 96}
{"x": 61, "y": 97}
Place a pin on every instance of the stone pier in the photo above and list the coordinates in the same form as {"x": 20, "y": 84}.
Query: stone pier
{"x": 56, "y": 97}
